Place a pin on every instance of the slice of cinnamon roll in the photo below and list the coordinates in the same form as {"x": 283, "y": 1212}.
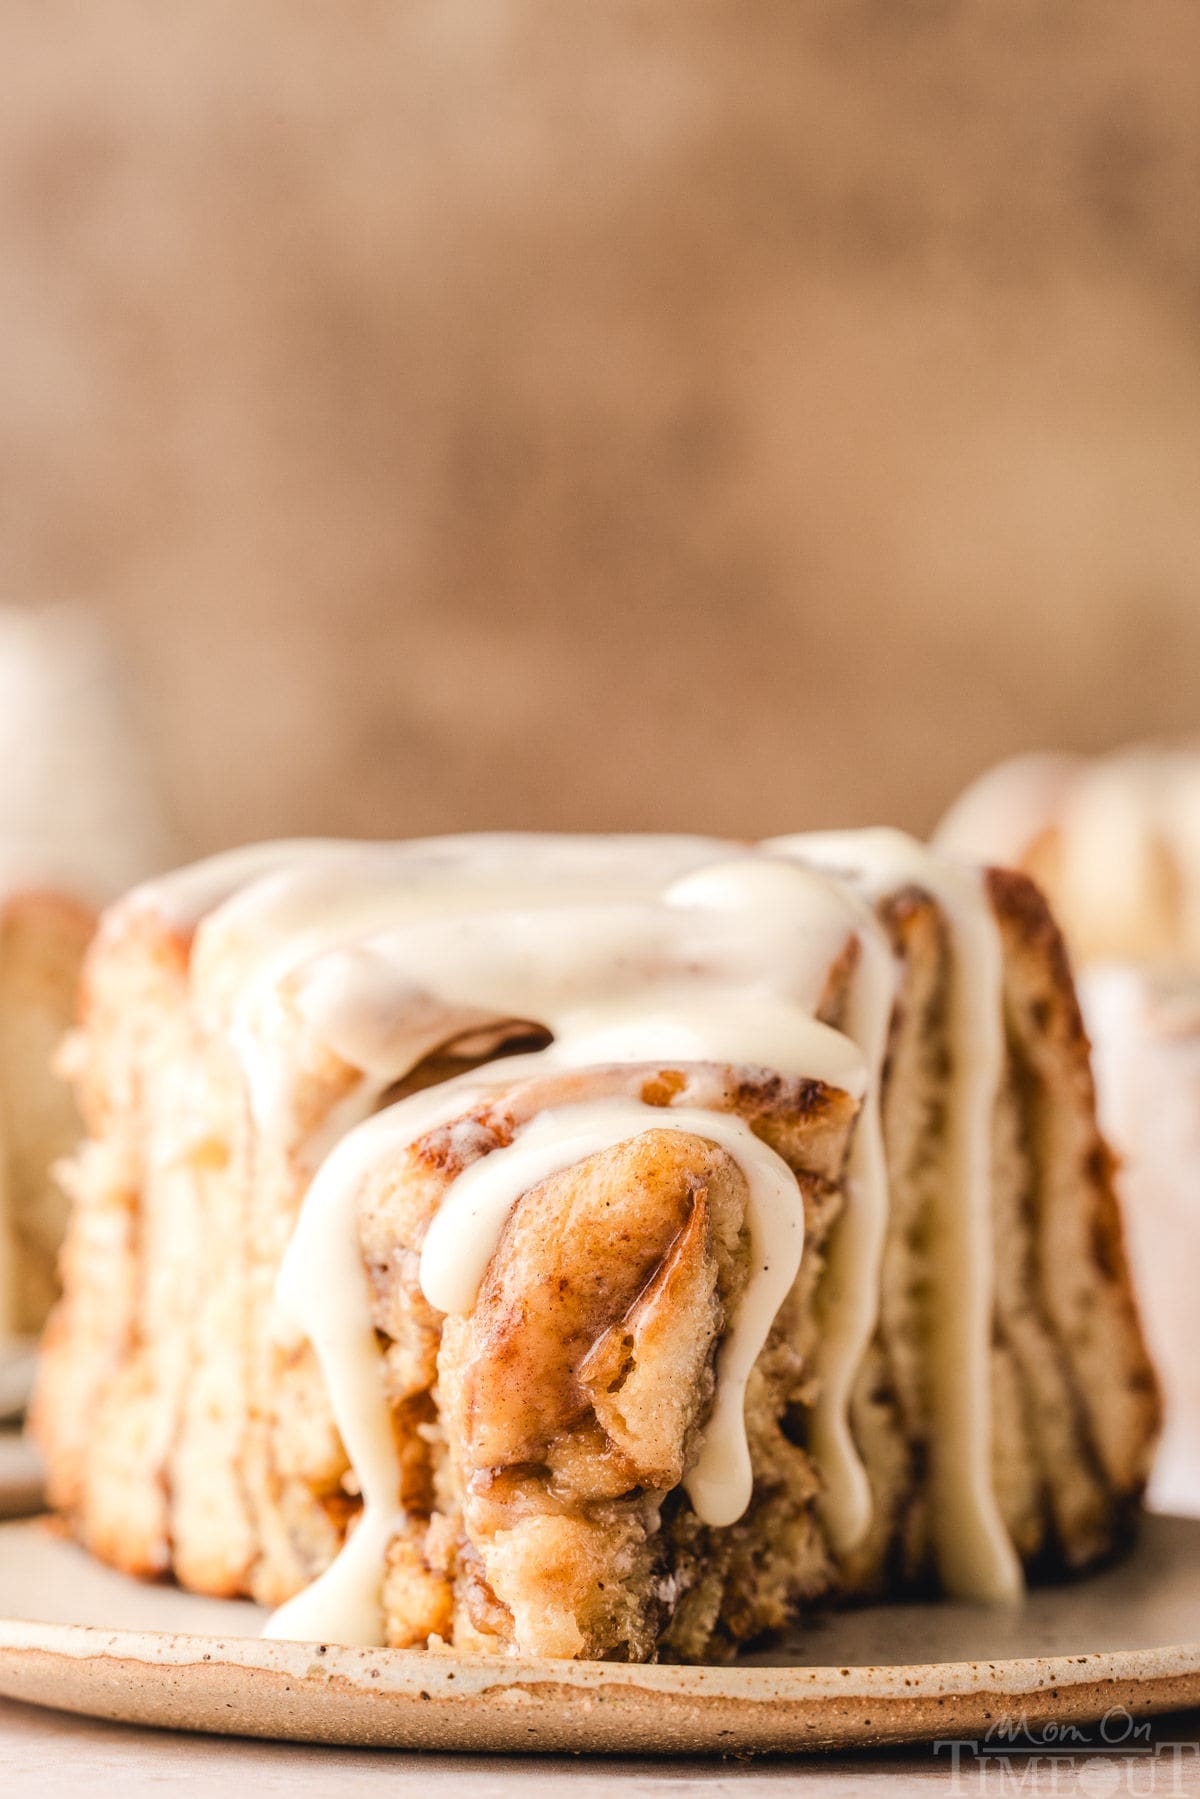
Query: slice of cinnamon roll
{"x": 590, "y": 1247}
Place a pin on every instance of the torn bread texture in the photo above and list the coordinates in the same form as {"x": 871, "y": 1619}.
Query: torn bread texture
{"x": 544, "y": 1437}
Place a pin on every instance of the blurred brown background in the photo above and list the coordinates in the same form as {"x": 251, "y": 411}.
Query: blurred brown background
{"x": 735, "y": 415}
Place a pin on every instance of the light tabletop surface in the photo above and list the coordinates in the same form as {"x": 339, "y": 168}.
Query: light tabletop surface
{"x": 45, "y": 1752}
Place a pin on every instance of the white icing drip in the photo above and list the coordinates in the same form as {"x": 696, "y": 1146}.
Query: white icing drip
{"x": 322, "y": 1294}
{"x": 467, "y": 1228}
{"x": 855, "y": 1254}
{"x": 975, "y": 1554}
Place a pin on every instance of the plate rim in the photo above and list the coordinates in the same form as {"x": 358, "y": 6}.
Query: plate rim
{"x": 398, "y": 1698}
{"x": 484, "y": 1673}
{"x": 222, "y": 1682}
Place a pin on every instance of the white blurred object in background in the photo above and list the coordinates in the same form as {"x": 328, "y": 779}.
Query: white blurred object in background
{"x": 79, "y": 810}
{"x": 79, "y": 822}
{"x": 1145, "y": 1030}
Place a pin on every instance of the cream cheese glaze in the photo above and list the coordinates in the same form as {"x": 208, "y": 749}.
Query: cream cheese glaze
{"x": 322, "y": 1294}
{"x": 974, "y": 1551}
{"x": 625, "y": 950}
{"x": 855, "y": 1255}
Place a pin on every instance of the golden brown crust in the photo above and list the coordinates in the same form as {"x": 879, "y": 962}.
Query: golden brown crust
{"x": 1084, "y": 1278}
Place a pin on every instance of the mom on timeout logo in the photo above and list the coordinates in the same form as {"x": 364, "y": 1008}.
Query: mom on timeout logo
{"x": 1119, "y": 1754}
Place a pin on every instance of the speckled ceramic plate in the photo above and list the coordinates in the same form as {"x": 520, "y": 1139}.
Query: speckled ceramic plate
{"x": 78, "y": 1636}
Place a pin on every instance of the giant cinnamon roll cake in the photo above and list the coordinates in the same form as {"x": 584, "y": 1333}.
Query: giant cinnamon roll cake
{"x": 1115, "y": 843}
{"x": 590, "y": 1247}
